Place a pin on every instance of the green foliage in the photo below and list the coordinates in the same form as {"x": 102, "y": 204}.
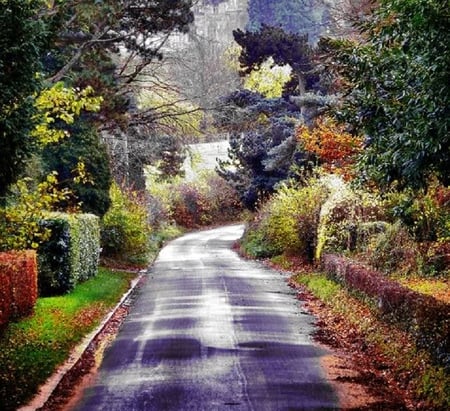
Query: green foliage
{"x": 125, "y": 228}
{"x": 322, "y": 287}
{"x": 398, "y": 92}
{"x": 89, "y": 185}
{"x": 287, "y": 223}
{"x": 427, "y": 215}
{"x": 19, "y": 219}
{"x": 21, "y": 39}
{"x": 32, "y": 349}
{"x": 70, "y": 256}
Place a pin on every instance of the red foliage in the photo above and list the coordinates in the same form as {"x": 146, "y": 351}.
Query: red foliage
{"x": 18, "y": 284}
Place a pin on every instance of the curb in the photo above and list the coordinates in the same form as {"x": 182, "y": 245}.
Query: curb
{"x": 46, "y": 390}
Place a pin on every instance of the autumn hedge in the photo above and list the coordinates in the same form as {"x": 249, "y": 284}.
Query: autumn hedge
{"x": 18, "y": 284}
{"x": 426, "y": 318}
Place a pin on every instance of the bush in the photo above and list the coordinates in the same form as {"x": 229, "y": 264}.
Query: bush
{"x": 125, "y": 229}
{"x": 287, "y": 223}
{"x": 208, "y": 200}
{"x": 18, "y": 284}
{"x": 26, "y": 206}
{"x": 426, "y": 215}
{"x": 393, "y": 250}
{"x": 71, "y": 254}
{"x": 348, "y": 218}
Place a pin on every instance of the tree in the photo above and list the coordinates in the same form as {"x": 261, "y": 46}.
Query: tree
{"x": 262, "y": 147}
{"x": 109, "y": 44}
{"x": 82, "y": 149}
{"x": 284, "y": 48}
{"x": 397, "y": 93}
{"x": 21, "y": 41}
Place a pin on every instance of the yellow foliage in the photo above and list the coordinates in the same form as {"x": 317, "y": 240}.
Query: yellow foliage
{"x": 19, "y": 220}
{"x": 59, "y": 103}
{"x": 269, "y": 80}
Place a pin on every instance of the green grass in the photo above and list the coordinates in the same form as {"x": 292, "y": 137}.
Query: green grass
{"x": 31, "y": 350}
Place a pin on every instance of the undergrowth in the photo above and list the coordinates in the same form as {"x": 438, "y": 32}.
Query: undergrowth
{"x": 413, "y": 367}
{"x": 31, "y": 350}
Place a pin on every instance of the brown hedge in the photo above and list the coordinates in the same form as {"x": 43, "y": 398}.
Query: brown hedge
{"x": 18, "y": 284}
{"x": 423, "y": 316}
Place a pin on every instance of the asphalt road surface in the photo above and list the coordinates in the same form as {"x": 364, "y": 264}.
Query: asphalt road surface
{"x": 210, "y": 331}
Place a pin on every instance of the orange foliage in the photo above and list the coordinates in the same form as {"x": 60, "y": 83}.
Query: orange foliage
{"x": 335, "y": 148}
{"x": 18, "y": 284}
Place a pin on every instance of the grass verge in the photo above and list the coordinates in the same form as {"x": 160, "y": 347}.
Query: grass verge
{"x": 32, "y": 349}
{"x": 413, "y": 369}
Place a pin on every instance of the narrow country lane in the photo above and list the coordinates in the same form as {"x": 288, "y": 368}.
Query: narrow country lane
{"x": 210, "y": 331}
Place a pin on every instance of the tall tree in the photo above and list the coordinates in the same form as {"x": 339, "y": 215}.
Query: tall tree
{"x": 109, "y": 44}
{"x": 21, "y": 41}
{"x": 262, "y": 144}
{"x": 84, "y": 149}
{"x": 398, "y": 84}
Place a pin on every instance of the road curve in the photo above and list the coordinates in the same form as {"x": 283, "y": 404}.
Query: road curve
{"x": 210, "y": 331}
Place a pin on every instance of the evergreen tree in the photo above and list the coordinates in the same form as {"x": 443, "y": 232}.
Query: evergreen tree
{"x": 21, "y": 40}
{"x": 83, "y": 146}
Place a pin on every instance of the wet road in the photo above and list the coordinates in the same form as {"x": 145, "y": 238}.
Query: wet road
{"x": 210, "y": 331}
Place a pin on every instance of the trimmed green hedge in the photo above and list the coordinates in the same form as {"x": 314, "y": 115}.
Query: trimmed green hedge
{"x": 71, "y": 254}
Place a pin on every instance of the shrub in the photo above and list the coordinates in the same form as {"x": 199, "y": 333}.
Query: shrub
{"x": 348, "y": 218}
{"x": 288, "y": 222}
{"x": 125, "y": 229}
{"x": 426, "y": 215}
{"x": 19, "y": 220}
{"x": 393, "y": 250}
{"x": 207, "y": 200}
{"x": 18, "y": 284}
{"x": 71, "y": 254}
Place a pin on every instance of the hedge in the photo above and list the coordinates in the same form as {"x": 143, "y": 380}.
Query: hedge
{"x": 71, "y": 254}
{"x": 426, "y": 318}
{"x": 18, "y": 284}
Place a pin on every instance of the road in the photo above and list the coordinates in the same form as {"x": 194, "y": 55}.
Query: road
{"x": 211, "y": 331}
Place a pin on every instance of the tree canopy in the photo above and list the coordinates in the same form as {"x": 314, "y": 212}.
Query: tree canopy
{"x": 397, "y": 92}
